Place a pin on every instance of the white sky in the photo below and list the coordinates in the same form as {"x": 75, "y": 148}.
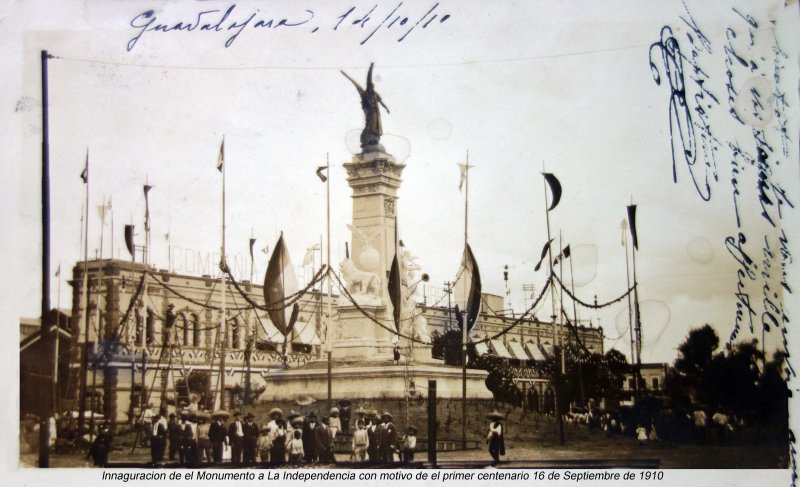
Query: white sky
{"x": 520, "y": 85}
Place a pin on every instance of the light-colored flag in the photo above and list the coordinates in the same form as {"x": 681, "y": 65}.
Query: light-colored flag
{"x": 309, "y": 257}
{"x": 221, "y": 157}
{"x": 463, "y": 168}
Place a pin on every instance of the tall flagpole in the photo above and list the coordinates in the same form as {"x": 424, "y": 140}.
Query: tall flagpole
{"x": 57, "y": 332}
{"x": 465, "y": 320}
{"x": 84, "y": 359}
{"x": 637, "y": 317}
{"x": 330, "y": 297}
{"x": 630, "y": 305}
{"x": 46, "y": 408}
{"x": 222, "y": 325}
{"x": 557, "y": 386}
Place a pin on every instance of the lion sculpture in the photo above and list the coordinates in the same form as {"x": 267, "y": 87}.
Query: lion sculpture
{"x": 360, "y": 282}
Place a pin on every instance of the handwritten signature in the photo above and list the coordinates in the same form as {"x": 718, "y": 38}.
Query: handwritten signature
{"x": 681, "y": 125}
{"x": 235, "y": 21}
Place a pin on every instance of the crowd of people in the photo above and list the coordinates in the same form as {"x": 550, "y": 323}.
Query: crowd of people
{"x": 196, "y": 438}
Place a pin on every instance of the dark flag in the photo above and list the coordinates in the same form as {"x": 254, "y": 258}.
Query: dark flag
{"x": 545, "y": 249}
{"x": 252, "y": 242}
{"x": 147, "y": 189}
{"x": 632, "y": 220}
{"x": 555, "y": 189}
{"x": 468, "y": 289}
{"x": 129, "y": 240}
{"x": 85, "y": 172}
{"x": 396, "y": 292}
{"x": 321, "y": 176}
{"x": 279, "y": 283}
{"x": 563, "y": 255}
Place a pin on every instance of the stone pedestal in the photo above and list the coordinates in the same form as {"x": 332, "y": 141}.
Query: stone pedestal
{"x": 372, "y": 380}
{"x": 358, "y": 338}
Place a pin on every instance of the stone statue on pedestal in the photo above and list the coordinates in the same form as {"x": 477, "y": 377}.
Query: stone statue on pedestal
{"x": 416, "y": 325}
{"x": 370, "y": 99}
{"x": 365, "y": 287}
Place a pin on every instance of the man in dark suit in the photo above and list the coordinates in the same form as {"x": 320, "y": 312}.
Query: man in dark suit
{"x": 250, "y": 440}
{"x": 217, "y": 435}
{"x": 174, "y": 432}
{"x": 374, "y": 435}
{"x": 388, "y": 438}
{"x": 236, "y": 437}
{"x": 309, "y": 441}
{"x": 324, "y": 439}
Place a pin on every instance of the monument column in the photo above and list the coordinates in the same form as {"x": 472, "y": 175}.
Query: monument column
{"x": 374, "y": 178}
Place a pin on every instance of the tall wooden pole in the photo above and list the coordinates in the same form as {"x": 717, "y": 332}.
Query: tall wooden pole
{"x": 465, "y": 320}
{"x": 85, "y": 349}
{"x": 328, "y": 337}
{"x": 223, "y": 324}
{"x": 46, "y": 406}
{"x": 557, "y": 385}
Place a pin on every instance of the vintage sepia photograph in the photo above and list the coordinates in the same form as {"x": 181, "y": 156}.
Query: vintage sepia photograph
{"x": 301, "y": 239}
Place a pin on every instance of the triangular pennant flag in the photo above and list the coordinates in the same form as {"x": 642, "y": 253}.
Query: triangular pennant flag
{"x": 555, "y": 189}
{"x": 221, "y": 157}
{"x": 545, "y": 249}
{"x": 85, "y": 172}
{"x": 147, "y": 189}
{"x": 252, "y": 242}
{"x": 563, "y": 255}
{"x": 58, "y": 271}
{"x": 632, "y": 220}
{"x": 129, "y": 240}
{"x": 321, "y": 176}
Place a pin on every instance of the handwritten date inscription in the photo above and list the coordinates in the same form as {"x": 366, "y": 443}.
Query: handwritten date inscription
{"x": 234, "y": 21}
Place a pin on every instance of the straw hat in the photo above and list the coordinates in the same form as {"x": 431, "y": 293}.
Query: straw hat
{"x": 386, "y": 415}
{"x": 495, "y": 415}
{"x": 275, "y": 411}
{"x": 292, "y": 414}
{"x": 334, "y": 410}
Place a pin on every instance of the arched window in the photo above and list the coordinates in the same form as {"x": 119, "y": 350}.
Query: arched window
{"x": 186, "y": 330}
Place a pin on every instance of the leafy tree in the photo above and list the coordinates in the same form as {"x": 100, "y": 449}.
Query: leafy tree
{"x": 696, "y": 352}
{"x": 447, "y": 346}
